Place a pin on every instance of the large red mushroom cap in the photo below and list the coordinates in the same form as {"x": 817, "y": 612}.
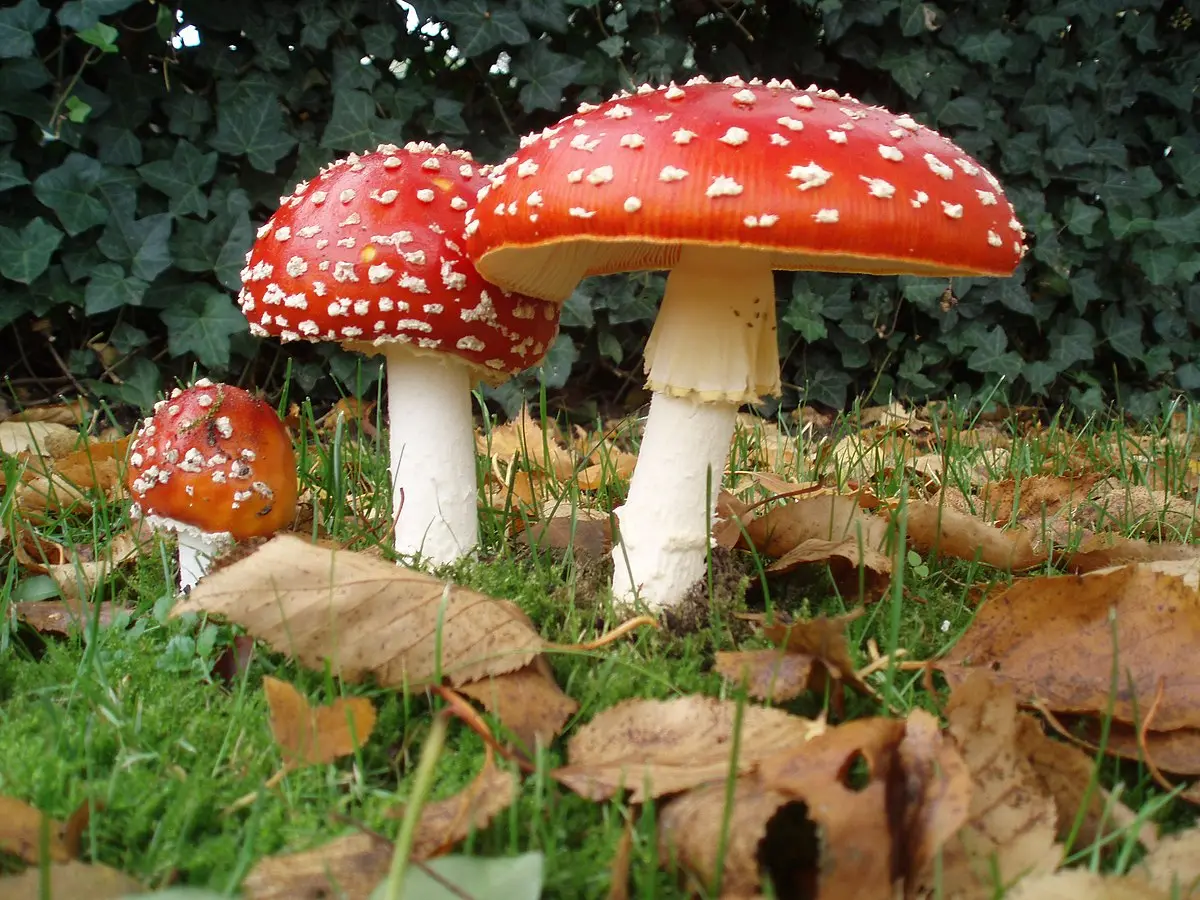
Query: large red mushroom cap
{"x": 811, "y": 178}
{"x": 215, "y": 459}
{"x": 370, "y": 252}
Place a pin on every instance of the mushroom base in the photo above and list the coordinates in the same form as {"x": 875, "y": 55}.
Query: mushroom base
{"x": 432, "y": 442}
{"x": 197, "y": 549}
{"x": 714, "y": 336}
{"x": 666, "y": 523}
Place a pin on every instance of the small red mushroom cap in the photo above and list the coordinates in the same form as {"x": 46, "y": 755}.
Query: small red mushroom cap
{"x": 213, "y": 458}
{"x": 813, "y": 178}
{"x": 370, "y": 252}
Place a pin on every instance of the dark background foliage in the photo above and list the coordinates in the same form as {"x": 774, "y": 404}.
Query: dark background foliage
{"x": 141, "y": 144}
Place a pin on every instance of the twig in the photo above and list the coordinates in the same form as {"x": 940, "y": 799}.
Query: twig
{"x": 619, "y": 632}
{"x": 736, "y": 22}
{"x": 1144, "y": 728}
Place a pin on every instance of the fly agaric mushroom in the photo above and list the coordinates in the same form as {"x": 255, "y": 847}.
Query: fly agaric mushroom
{"x": 216, "y": 465}
{"x": 368, "y": 254}
{"x": 721, "y": 184}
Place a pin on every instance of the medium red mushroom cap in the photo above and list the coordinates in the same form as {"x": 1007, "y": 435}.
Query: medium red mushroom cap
{"x": 213, "y": 458}
{"x": 370, "y": 252}
{"x": 813, "y": 178}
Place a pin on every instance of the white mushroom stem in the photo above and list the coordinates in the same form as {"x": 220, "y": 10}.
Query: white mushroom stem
{"x": 196, "y": 552}
{"x": 713, "y": 348}
{"x": 432, "y": 451}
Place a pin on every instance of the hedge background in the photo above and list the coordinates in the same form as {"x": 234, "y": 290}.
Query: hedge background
{"x": 141, "y": 144}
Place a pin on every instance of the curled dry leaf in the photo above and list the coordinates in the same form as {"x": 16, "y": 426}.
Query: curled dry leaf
{"x": 528, "y": 701}
{"x": 311, "y": 736}
{"x": 365, "y": 616}
{"x": 75, "y": 575}
{"x": 55, "y": 483}
{"x": 935, "y": 527}
{"x": 64, "y": 618}
{"x": 349, "y": 867}
{"x": 70, "y": 881}
{"x": 21, "y": 831}
{"x": 1052, "y": 638}
{"x": 1102, "y": 551}
{"x": 1080, "y": 884}
{"x": 690, "y": 830}
{"x": 443, "y": 823}
{"x": 1174, "y": 865}
{"x": 1177, "y": 750}
{"x": 1011, "y": 822}
{"x": 656, "y": 747}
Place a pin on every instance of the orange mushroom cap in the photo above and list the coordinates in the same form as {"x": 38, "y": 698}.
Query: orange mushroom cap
{"x": 213, "y": 458}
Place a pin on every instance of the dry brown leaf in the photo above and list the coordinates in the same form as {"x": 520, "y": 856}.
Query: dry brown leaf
{"x": 524, "y": 438}
{"x": 1102, "y": 551}
{"x": 36, "y": 438}
{"x": 775, "y": 675}
{"x": 935, "y": 527}
{"x": 1066, "y": 771}
{"x": 689, "y": 833}
{"x": 528, "y": 701}
{"x": 656, "y": 747}
{"x": 824, "y": 639}
{"x": 73, "y": 413}
{"x": 823, "y": 517}
{"x": 1123, "y": 507}
{"x": 311, "y": 736}
{"x": 846, "y": 559}
{"x": 64, "y": 618}
{"x": 443, "y": 823}
{"x": 1175, "y": 864}
{"x": 586, "y": 532}
{"x": 348, "y": 868}
{"x": 1080, "y": 884}
{"x": 70, "y": 881}
{"x": 1031, "y": 500}
{"x": 21, "y": 831}
{"x": 937, "y": 793}
{"x": 75, "y": 575}
{"x": 622, "y": 861}
{"x": 1011, "y": 821}
{"x": 365, "y": 616}
{"x": 1052, "y": 638}
{"x": 1171, "y": 751}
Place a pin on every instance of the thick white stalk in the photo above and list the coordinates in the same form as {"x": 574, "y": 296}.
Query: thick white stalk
{"x": 432, "y": 448}
{"x": 196, "y": 552}
{"x": 666, "y": 523}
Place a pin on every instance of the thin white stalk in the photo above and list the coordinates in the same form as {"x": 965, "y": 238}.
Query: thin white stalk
{"x": 432, "y": 448}
{"x": 196, "y": 552}
{"x": 666, "y": 523}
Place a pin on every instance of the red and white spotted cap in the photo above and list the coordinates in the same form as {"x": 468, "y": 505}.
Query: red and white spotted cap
{"x": 370, "y": 252}
{"x": 214, "y": 459}
{"x": 814, "y": 178}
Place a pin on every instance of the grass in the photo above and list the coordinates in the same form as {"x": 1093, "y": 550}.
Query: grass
{"x": 132, "y": 718}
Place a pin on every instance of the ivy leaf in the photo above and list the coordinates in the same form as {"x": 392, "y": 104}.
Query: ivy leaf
{"x": 140, "y": 243}
{"x": 545, "y": 74}
{"x": 1073, "y": 345}
{"x": 18, "y": 24}
{"x": 218, "y": 246}
{"x": 25, "y": 254}
{"x": 908, "y": 69}
{"x": 201, "y": 320}
{"x": 110, "y": 288}
{"x": 550, "y": 14}
{"x": 1079, "y": 217}
{"x": 67, "y": 189}
{"x": 320, "y": 23}
{"x": 250, "y": 122}
{"x": 480, "y": 26}
{"x": 804, "y": 315}
{"x": 826, "y": 384}
{"x": 963, "y": 111}
{"x": 1120, "y": 186}
{"x": 182, "y": 178}
{"x": 990, "y": 356}
{"x": 1185, "y": 163}
{"x": 11, "y": 174}
{"x": 80, "y": 15}
{"x": 1123, "y": 331}
{"x": 118, "y": 146}
{"x": 989, "y": 47}
{"x": 351, "y": 126}
{"x": 187, "y": 113}
{"x": 556, "y": 367}
{"x": 912, "y": 18}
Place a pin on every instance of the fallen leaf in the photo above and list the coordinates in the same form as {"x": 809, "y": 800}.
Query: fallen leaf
{"x": 444, "y": 823}
{"x": 1174, "y": 865}
{"x": 937, "y": 793}
{"x": 1102, "y": 551}
{"x": 825, "y": 517}
{"x": 1080, "y": 884}
{"x": 76, "y": 577}
{"x": 844, "y": 776}
{"x": 70, "y": 881}
{"x": 528, "y": 701}
{"x": 21, "y": 831}
{"x": 1032, "y": 500}
{"x": 824, "y": 639}
{"x": 775, "y": 676}
{"x": 690, "y": 833}
{"x": 310, "y": 736}
{"x": 73, "y": 413}
{"x": 365, "y": 616}
{"x": 935, "y": 527}
{"x": 36, "y": 438}
{"x": 586, "y": 532}
{"x": 456, "y": 877}
{"x": 656, "y": 747}
{"x": 1136, "y": 509}
{"x": 1052, "y": 638}
{"x": 348, "y": 867}
{"x": 1177, "y": 750}
{"x": 1011, "y": 822}
{"x": 65, "y": 618}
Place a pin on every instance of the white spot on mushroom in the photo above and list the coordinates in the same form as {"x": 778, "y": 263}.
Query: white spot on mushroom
{"x": 994, "y": 239}
{"x": 723, "y": 186}
{"x": 939, "y": 168}
{"x": 837, "y": 136}
{"x": 380, "y": 273}
{"x": 987, "y": 198}
{"x": 735, "y": 137}
{"x": 347, "y": 242}
{"x": 632, "y": 204}
{"x": 434, "y": 309}
{"x": 745, "y": 98}
{"x": 458, "y": 203}
{"x": 672, "y": 173}
{"x": 309, "y": 231}
{"x": 318, "y": 197}
{"x": 968, "y": 167}
{"x": 283, "y": 234}
{"x": 674, "y": 92}
{"x": 779, "y": 140}
{"x": 600, "y": 175}
{"x": 877, "y": 187}
{"x": 580, "y": 213}
{"x": 802, "y": 101}
{"x": 633, "y": 141}
{"x": 414, "y": 284}
{"x": 907, "y": 122}
{"x": 618, "y": 111}
{"x": 790, "y": 124}
{"x": 890, "y": 153}
{"x": 527, "y": 168}
{"x": 347, "y": 195}
{"x": 582, "y": 142}
{"x": 682, "y": 136}
{"x": 386, "y": 198}
{"x": 919, "y": 200}
{"x": 764, "y": 221}
{"x": 534, "y": 198}
{"x": 470, "y": 342}
{"x": 344, "y": 271}
{"x": 575, "y": 176}
{"x": 425, "y": 195}
{"x": 809, "y": 176}
{"x": 825, "y": 216}
{"x": 953, "y": 210}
